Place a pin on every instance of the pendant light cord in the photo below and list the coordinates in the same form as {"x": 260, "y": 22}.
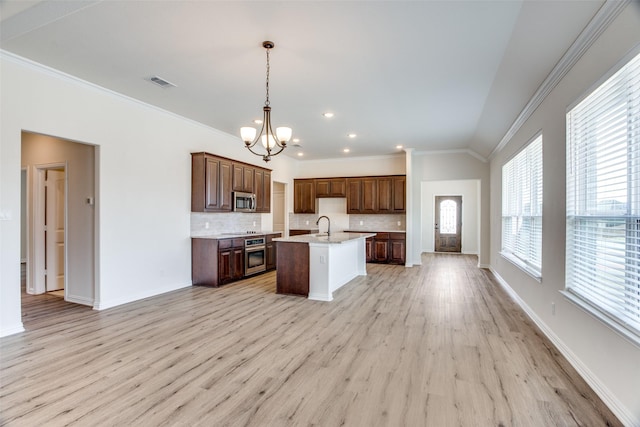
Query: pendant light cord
{"x": 266, "y": 103}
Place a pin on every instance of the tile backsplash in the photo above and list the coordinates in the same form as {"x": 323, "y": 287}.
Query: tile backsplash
{"x": 203, "y": 224}
{"x": 377, "y": 222}
{"x": 341, "y": 222}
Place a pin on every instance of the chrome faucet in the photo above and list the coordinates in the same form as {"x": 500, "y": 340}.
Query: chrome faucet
{"x": 328, "y": 224}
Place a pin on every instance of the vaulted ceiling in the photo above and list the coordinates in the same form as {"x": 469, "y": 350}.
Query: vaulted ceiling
{"x": 427, "y": 75}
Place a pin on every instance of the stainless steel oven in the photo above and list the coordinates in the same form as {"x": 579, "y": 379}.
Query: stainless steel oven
{"x": 255, "y": 256}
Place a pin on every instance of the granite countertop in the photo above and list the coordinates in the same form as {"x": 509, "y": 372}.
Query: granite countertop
{"x": 233, "y": 235}
{"x": 339, "y": 237}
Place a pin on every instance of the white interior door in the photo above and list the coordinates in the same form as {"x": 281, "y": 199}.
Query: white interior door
{"x": 54, "y": 229}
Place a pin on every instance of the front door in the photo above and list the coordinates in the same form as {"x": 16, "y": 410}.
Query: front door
{"x": 448, "y": 224}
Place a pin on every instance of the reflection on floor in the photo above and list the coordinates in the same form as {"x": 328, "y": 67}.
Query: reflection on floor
{"x": 58, "y": 293}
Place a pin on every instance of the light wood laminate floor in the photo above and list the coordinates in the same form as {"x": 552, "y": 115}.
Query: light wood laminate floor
{"x": 436, "y": 345}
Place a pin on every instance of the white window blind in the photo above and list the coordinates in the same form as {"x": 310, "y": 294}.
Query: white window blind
{"x": 603, "y": 198}
{"x": 522, "y": 208}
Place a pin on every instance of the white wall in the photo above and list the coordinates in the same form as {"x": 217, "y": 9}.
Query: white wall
{"x": 454, "y": 167}
{"x": 353, "y": 166}
{"x": 144, "y": 179}
{"x": 610, "y": 363}
{"x": 469, "y": 190}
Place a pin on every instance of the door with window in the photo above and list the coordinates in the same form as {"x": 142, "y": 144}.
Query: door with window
{"x": 448, "y": 224}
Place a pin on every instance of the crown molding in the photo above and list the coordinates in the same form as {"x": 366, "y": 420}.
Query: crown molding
{"x": 605, "y": 15}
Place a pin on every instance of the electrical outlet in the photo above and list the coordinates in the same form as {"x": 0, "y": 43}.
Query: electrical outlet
{"x": 206, "y": 225}
{"x": 254, "y": 223}
{"x": 399, "y": 223}
{"x": 306, "y": 222}
{"x": 361, "y": 222}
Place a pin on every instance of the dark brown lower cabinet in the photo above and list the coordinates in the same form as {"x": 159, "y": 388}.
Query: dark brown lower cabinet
{"x": 386, "y": 248}
{"x": 215, "y": 262}
{"x": 271, "y": 251}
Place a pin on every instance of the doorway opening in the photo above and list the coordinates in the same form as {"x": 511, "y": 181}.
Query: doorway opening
{"x": 59, "y": 240}
{"x": 448, "y": 224}
{"x": 279, "y": 207}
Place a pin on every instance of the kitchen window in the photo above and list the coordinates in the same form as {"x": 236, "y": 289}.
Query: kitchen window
{"x": 603, "y": 201}
{"x": 522, "y": 209}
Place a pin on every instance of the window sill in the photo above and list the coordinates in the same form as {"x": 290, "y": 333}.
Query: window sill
{"x": 522, "y": 266}
{"x": 624, "y": 332}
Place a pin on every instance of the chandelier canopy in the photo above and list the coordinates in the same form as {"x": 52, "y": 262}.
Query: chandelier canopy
{"x": 272, "y": 143}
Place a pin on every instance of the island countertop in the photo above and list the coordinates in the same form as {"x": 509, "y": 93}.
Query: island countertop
{"x": 324, "y": 239}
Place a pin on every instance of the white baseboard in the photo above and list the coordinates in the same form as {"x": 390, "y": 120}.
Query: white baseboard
{"x": 12, "y": 329}
{"x": 79, "y": 300}
{"x": 620, "y": 411}
{"x": 103, "y": 305}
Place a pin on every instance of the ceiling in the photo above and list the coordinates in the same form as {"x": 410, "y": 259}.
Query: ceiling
{"x": 427, "y": 75}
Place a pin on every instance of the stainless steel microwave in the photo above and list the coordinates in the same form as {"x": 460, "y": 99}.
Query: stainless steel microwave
{"x": 244, "y": 202}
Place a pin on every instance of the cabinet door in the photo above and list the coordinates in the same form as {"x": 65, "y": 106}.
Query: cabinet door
{"x": 243, "y": 178}
{"x": 354, "y": 195}
{"x": 248, "y": 178}
{"x": 399, "y": 194}
{"x": 368, "y": 245}
{"x": 212, "y": 184}
{"x": 396, "y": 251}
{"x": 262, "y": 187}
{"x": 224, "y": 194}
{"x": 380, "y": 250}
{"x": 369, "y": 203}
{"x": 385, "y": 195}
{"x": 258, "y": 185}
{"x": 331, "y": 187}
{"x": 271, "y": 256}
{"x": 238, "y": 177}
{"x": 225, "y": 266}
{"x": 304, "y": 197}
{"x": 237, "y": 271}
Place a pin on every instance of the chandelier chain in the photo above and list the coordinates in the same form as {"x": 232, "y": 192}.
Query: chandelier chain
{"x": 266, "y": 103}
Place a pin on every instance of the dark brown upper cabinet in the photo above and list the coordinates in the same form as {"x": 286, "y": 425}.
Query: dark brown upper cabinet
{"x": 304, "y": 196}
{"x": 331, "y": 187}
{"x": 214, "y": 179}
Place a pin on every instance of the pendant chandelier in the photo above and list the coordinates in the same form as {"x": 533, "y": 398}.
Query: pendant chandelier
{"x": 272, "y": 143}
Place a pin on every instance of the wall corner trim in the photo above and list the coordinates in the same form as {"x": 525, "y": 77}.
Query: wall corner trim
{"x": 592, "y": 380}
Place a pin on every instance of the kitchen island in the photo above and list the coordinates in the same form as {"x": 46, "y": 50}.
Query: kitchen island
{"x": 315, "y": 265}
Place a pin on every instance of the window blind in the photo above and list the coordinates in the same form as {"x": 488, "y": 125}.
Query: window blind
{"x": 603, "y": 198}
{"x": 522, "y": 207}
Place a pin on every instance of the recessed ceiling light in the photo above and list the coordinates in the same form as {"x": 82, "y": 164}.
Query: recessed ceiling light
{"x": 300, "y": 154}
{"x": 346, "y": 150}
{"x": 399, "y": 147}
{"x": 257, "y": 121}
{"x": 328, "y": 115}
{"x": 296, "y": 139}
{"x": 352, "y": 135}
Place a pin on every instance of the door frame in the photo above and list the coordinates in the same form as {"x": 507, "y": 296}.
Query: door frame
{"x": 438, "y": 225}
{"x": 36, "y": 281}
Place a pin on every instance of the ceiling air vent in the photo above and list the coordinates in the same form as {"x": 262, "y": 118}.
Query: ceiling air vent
{"x": 161, "y": 82}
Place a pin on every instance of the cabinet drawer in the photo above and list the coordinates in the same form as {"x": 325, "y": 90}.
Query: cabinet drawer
{"x": 381, "y": 236}
{"x": 230, "y": 243}
{"x": 397, "y": 236}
